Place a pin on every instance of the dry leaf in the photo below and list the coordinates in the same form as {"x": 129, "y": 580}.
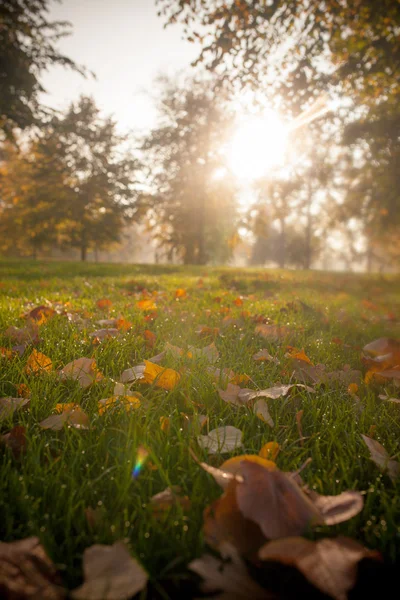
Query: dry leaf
{"x": 9, "y": 405}
{"x": 231, "y": 579}
{"x": 381, "y": 458}
{"x": 73, "y": 416}
{"x": 15, "y": 440}
{"x": 83, "y": 370}
{"x": 270, "y": 450}
{"x": 128, "y": 403}
{"x": 277, "y": 391}
{"x": 222, "y": 440}
{"x": 104, "y": 303}
{"x": 234, "y": 465}
{"x": 40, "y": 314}
{"x": 27, "y": 334}
{"x": 180, "y": 293}
{"x": 133, "y": 374}
{"x": 234, "y": 395}
{"x": 38, "y": 363}
{"x": 297, "y": 354}
{"x": 260, "y": 408}
{"x": 102, "y": 334}
{"x": 169, "y": 498}
{"x": 329, "y": 564}
{"x": 264, "y": 356}
{"x": 150, "y": 338}
{"x": 318, "y": 374}
{"x": 26, "y": 572}
{"x": 146, "y": 305}
{"x": 210, "y": 352}
{"x": 273, "y": 332}
{"x": 205, "y": 331}
{"x": 110, "y": 574}
{"x": 160, "y": 376}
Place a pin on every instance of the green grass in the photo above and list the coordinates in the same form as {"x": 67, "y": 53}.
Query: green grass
{"x": 46, "y": 492}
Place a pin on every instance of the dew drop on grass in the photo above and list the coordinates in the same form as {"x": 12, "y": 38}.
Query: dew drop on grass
{"x": 147, "y": 535}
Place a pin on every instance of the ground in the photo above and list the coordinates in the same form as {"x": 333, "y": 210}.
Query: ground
{"x": 47, "y": 490}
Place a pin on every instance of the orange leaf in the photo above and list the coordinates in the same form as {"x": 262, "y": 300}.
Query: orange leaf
{"x": 180, "y": 293}
{"x": 146, "y": 305}
{"x": 123, "y": 324}
{"x": 104, "y": 303}
{"x": 150, "y": 338}
{"x": 238, "y": 301}
{"x": 129, "y": 403}
{"x": 298, "y": 354}
{"x": 269, "y": 451}
{"x": 23, "y": 391}
{"x": 165, "y": 424}
{"x": 161, "y": 376}
{"x": 38, "y": 362}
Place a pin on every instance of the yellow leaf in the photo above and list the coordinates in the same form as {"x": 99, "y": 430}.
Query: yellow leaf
{"x": 165, "y": 424}
{"x": 269, "y": 451}
{"x": 298, "y": 354}
{"x": 160, "y": 376}
{"x": 146, "y": 305}
{"x": 129, "y": 403}
{"x": 180, "y": 293}
{"x": 38, "y": 362}
{"x": 233, "y": 465}
{"x": 65, "y": 407}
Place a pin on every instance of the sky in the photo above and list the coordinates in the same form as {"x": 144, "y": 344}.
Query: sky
{"x": 124, "y": 42}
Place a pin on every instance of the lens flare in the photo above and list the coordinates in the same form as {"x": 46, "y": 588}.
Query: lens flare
{"x": 141, "y": 457}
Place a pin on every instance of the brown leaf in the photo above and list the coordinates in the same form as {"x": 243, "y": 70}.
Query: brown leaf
{"x": 260, "y": 408}
{"x": 38, "y": 363}
{"x": 27, "y": 334}
{"x": 210, "y": 352}
{"x": 26, "y": 572}
{"x": 9, "y": 405}
{"x": 168, "y": 498}
{"x": 73, "y": 416}
{"x": 318, "y": 374}
{"x": 103, "y": 334}
{"x": 381, "y": 458}
{"x": 110, "y": 574}
{"x": 40, "y": 314}
{"x": 274, "y": 392}
{"x": 104, "y": 303}
{"x": 264, "y": 356}
{"x": 221, "y": 440}
{"x": 329, "y": 564}
{"x": 231, "y": 579}
{"x": 273, "y": 332}
{"x": 275, "y": 502}
{"x": 235, "y": 395}
{"x": 15, "y": 440}
{"x": 83, "y": 370}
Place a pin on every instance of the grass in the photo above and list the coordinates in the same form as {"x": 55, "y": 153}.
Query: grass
{"x": 46, "y": 492}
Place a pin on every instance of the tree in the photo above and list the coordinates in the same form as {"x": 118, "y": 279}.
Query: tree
{"x": 28, "y": 46}
{"x": 191, "y": 202}
{"x": 73, "y": 184}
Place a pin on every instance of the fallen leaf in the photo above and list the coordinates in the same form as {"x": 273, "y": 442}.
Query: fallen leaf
{"x": 26, "y": 572}
{"x": 180, "y": 293}
{"x": 128, "y": 403}
{"x": 161, "y": 377}
{"x": 329, "y": 564}
{"x": 40, "y": 314}
{"x": 264, "y": 356}
{"x": 133, "y": 374}
{"x": 104, "y": 303}
{"x": 394, "y": 400}
{"x": 23, "y": 390}
{"x": 381, "y": 458}
{"x": 83, "y": 370}
{"x": 260, "y": 408}
{"x": 110, "y": 574}
{"x": 298, "y": 354}
{"x": 233, "y": 465}
{"x": 150, "y": 338}
{"x": 238, "y": 301}
{"x": 317, "y": 374}
{"x": 205, "y": 331}
{"x": 273, "y": 332}
{"x": 102, "y": 334}
{"x": 165, "y": 424}
{"x": 27, "y": 334}
{"x": 122, "y": 324}
{"x": 38, "y": 363}
{"x": 270, "y": 451}
{"x": 146, "y": 305}
{"x": 275, "y": 392}
{"x": 168, "y": 498}
{"x": 210, "y": 352}
{"x": 15, "y": 440}
{"x": 73, "y": 416}
{"x": 6, "y": 353}
{"x": 232, "y": 579}
{"x": 234, "y": 395}
{"x": 9, "y": 405}
{"x": 221, "y": 440}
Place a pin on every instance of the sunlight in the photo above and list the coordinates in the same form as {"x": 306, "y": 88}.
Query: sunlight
{"x": 258, "y": 145}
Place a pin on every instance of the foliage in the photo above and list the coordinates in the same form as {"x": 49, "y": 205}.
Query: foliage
{"x": 28, "y": 46}
{"x": 192, "y": 208}
{"x": 73, "y": 184}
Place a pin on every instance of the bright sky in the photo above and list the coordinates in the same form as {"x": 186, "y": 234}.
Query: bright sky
{"x": 125, "y": 44}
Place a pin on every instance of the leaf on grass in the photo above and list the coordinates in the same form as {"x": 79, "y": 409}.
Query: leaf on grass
{"x": 180, "y": 293}
{"x": 38, "y": 363}
{"x": 329, "y": 564}
{"x": 110, "y": 574}
{"x": 394, "y": 400}
{"x": 71, "y": 415}
{"x": 6, "y": 353}
{"x": 222, "y": 440}
{"x": 383, "y": 359}
{"x": 26, "y": 572}
{"x": 168, "y": 498}
{"x": 317, "y": 374}
{"x": 150, "y": 338}
{"x": 235, "y": 395}
{"x": 122, "y": 324}
{"x": 104, "y": 303}
{"x": 161, "y": 377}
{"x": 15, "y": 440}
{"x": 23, "y": 390}
{"x": 234, "y": 465}
{"x": 9, "y": 405}
{"x": 275, "y": 392}
{"x": 146, "y": 305}
{"x": 260, "y": 409}
{"x": 23, "y": 335}
{"x": 127, "y": 403}
{"x": 273, "y": 332}
{"x": 133, "y": 374}
{"x": 102, "y": 334}
{"x": 270, "y": 450}
{"x": 297, "y": 354}
{"x": 210, "y": 352}
{"x": 205, "y": 331}
{"x": 264, "y": 356}
{"x": 381, "y": 458}
{"x": 165, "y": 424}
{"x": 83, "y": 370}
{"x": 232, "y": 579}
{"x": 40, "y": 314}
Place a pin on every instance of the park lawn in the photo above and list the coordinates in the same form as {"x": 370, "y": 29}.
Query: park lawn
{"x": 47, "y": 491}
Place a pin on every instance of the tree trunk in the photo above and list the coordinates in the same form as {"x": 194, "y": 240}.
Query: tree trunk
{"x": 282, "y": 250}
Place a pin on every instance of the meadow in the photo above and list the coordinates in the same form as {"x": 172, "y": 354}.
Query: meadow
{"x": 92, "y": 480}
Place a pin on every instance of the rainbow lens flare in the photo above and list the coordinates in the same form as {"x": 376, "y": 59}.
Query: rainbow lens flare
{"x": 142, "y": 454}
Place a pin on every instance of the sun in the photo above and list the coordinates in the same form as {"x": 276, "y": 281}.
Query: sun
{"x": 258, "y": 145}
